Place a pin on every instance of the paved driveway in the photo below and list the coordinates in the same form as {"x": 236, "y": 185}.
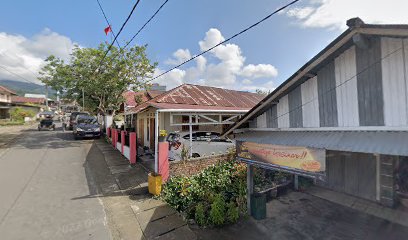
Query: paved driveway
{"x": 302, "y": 216}
{"x": 42, "y": 174}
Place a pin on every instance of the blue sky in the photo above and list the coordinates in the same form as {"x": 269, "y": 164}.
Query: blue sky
{"x": 261, "y": 58}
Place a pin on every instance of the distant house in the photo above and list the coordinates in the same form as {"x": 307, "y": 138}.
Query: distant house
{"x": 5, "y": 102}
{"x": 30, "y": 100}
{"x": 201, "y": 107}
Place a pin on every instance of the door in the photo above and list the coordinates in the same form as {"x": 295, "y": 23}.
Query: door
{"x": 152, "y": 133}
{"x": 141, "y": 132}
{"x": 352, "y": 173}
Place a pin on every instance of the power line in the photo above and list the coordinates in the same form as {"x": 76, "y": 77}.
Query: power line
{"x": 5, "y": 53}
{"x": 120, "y": 31}
{"x": 228, "y": 39}
{"x": 107, "y": 21}
{"x": 18, "y": 75}
{"x": 144, "y": 25}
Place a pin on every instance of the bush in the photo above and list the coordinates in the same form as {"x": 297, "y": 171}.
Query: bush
{"x": 200, "y": 214}
{"x": 232, "y": 213}
{"x": 217, "y": 212}
{"x": 224, "y": 181}
{"x": 18, "y": 114}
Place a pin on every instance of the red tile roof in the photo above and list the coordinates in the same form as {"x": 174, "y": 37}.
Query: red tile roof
{"x": 188, "y": 96}
{"x": 6, "y": 90}
{"x": 19, "y": 99}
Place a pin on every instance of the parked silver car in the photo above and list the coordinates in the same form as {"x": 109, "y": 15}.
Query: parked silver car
{"x": 203, "y": 144}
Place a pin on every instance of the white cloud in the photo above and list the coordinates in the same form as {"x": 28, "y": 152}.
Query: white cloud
{"x": 333, "y": 14}
{"x": 25, "y": 56}
{"x": 246, "y": 81}
{"x": 223, "y": 66}
{"x": 266, "y": 87}
{"x": 180, "y": 56}
{"x": 171, "y": 79}
{"x": 212, "y": 37}
{"x": 259, "y": 71}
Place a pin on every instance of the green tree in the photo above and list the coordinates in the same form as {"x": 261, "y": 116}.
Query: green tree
{"x": 102, "y": 84}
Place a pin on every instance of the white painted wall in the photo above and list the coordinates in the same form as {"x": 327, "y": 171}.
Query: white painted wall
{"x": 346, "y": 88}
{"x": 261, "y": 121}
{"x": 310, "y": 102}
{"x": 283, "y": 112}
{"x": 394, "y": 81}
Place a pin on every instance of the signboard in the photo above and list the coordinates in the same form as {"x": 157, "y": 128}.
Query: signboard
{"x": 300, "y": 159}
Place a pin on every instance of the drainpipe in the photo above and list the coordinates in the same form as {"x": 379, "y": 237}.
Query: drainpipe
{"x": 156, "y": 142}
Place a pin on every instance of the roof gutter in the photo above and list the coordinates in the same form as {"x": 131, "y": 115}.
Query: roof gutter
{"x": 203, "y": 110}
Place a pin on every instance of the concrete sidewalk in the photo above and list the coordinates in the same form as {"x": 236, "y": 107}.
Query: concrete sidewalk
{"x": 399, "y": 216}
{"x": 131, "y": 211}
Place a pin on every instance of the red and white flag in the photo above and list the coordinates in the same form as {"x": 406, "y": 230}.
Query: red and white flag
{"x": 108, "y": 29}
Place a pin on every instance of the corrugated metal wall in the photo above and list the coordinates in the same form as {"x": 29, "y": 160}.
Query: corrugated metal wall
{"x": 360, "y": 87}
{"x": 283, "y": 112}
{"x": 394, "y": 82}
{"x": 326, "y": 87}
{"x": 346, "y": 90}
{"x": 369, "y": 84}
{"x": 310, "y": 102}
{"x": 295, "y": 108}
{"x": 271, "y": 117}
{"x": 261, "y": 121}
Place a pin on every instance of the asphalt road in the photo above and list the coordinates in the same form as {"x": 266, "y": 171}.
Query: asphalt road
{"x": 42, "y": 178}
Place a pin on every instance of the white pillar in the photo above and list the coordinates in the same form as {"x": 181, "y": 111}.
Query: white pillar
{"x": 156, "y": 142}
{"x": 190, "y": 125}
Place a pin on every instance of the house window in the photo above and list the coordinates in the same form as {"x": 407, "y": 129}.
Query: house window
{"x": 185, "y": 119}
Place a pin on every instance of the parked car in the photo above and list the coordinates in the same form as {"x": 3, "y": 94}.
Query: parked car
{"x": 204, "y": 144}
{"x": 46, "y": 115}
{"x": 86, "y": 127}
{"x": 47, "y": 124}
{"x": 72, "y": 119}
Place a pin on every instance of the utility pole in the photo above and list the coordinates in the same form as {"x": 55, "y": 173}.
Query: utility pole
{"x": 83, "y": 100}
{"x": 46, "y": 96}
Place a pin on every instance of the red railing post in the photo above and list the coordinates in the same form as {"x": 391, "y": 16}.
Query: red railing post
{"x": 132, "y": 147}
{"x": 164, "y": 160}
{"x": 122, "y": 141}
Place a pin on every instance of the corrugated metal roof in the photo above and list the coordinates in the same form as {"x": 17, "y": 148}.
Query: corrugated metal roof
{"x": 188, "y": 96}
{"x": 209, "y": 96}
{"x": 6, "y": 90}
{"x": 19, "y": 99}
{"x": 145, "y": 96}
{"x": 381, "y": 142}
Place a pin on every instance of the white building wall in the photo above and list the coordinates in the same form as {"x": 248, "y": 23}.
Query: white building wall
{"x": 310, "y": 103}
{"x": 394, "y": 81}
{"x": 283, "y": 112}
{"x": 346, "y": 88}
{"x": 261, "y": 121}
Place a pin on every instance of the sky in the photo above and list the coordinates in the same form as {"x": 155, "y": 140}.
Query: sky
{"x": 261, "y": 58}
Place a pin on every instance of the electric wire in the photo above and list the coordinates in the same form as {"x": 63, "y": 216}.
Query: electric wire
{"x": 230, "y": 38}
{"x": 117, "y": 35}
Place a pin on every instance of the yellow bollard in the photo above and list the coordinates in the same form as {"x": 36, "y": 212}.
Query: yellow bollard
{"x": 154, "y": 183}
